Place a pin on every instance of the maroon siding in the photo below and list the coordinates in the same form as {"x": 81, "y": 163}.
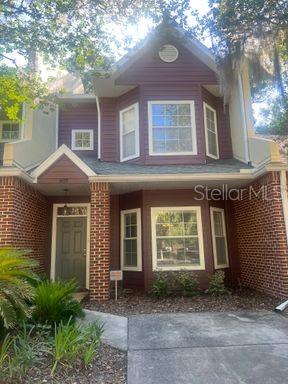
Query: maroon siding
{"x": 77, "y": 116}
{"x": 223, "y": 124}
{"x": 63, "y": 171}
{"x": 150, "y": 68}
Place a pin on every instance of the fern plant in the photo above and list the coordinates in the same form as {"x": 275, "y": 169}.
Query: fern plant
{"x": 16, "y": 285}
{"x": 54, "y": 302}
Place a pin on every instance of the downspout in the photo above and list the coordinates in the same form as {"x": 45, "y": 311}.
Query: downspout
{"x": 244, "y": 118}
{"x": 284, "y": 198}
{"x": 99, "y": 127}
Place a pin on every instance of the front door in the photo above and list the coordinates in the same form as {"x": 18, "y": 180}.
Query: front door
{"x": 71, "y": 242}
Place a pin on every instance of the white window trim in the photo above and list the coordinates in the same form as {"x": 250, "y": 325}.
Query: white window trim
{"x": 216, "y": 265}
{"x": 10, "y": 122}
{"x": 205, "y": 106}
{"x": 193, "y": 127}
{"x": 54, "y": 238}
{"x": 154, "y": 212}
{"x": 74, "y": 131}
{"x": 139, "y": 240}
{"x": 137, "y": 150}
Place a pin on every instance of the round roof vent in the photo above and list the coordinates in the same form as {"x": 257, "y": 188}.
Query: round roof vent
{"x": 168, "y": 53}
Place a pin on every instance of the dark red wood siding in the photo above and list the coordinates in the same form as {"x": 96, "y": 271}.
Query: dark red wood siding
{"x": 63, "y": 171}
{"x": 77, "y": 116}
{"x": 149, "y": 68}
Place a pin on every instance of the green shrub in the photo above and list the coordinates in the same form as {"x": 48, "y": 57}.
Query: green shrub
{"x": 16, "y": 278}
{"x": 54, "y": 303}
{"x": 216, "y": 284}
{"x": 160, "y": 288}
{"x": 74, "y": 341}
{"x": 188, "y": 283}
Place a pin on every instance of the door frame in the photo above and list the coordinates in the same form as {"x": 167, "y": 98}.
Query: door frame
{"x": 54, "y": 237}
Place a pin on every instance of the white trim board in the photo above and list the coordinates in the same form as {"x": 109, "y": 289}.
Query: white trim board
{"x": 54, "y": 238}
{"x": 63, "y": 150}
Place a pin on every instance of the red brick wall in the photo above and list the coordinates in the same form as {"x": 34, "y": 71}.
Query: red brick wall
{"x": 99, "y": 241}
{"x": 261, "y": 238}
{"x": 24, "y": 219}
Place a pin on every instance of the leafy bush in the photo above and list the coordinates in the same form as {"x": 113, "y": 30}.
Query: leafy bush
{"x": 216, "y": 284}
{"x": 160, "y": 288}
{"x": 54, "y": 303}
{"x": 74, "y": 341}
{"x": 16, "y": 278}
{"x": 188, "y": 283}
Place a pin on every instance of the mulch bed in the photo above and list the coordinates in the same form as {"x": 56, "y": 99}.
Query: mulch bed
{"x": 131, "y": 303}
{"x": 109, "y": 367}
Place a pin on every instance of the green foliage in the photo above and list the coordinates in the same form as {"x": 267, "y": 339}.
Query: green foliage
{"x": 216, "y": 284}
{"x": 74, "y": 341}
{"x": 54, "y": 302}
{"x": 18, "y": 87}
{"x": 188, "y": 283}
{"x": 275, "y": 116}
{"x": 4, "y": 355}
{"x": 160, "y": 287}
{"x": 16, "y": 277}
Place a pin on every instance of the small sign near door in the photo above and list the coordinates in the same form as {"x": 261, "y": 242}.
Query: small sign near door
{"x": 116, "y": 276}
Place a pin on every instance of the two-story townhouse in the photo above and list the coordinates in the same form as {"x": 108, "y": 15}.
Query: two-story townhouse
{"x": 151, "y": 173}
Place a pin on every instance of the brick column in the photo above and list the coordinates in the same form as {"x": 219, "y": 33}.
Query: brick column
{"x": 6, "y": 211}
{"x": 99, "y": 281}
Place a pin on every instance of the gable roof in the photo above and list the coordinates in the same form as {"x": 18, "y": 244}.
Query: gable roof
{"x": 105, "y": 86}
{"x": 63, "y": 150}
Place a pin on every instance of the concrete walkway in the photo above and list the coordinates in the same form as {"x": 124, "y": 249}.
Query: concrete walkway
{"x": 200, "y": 348}
{"x": 208, "y": 348}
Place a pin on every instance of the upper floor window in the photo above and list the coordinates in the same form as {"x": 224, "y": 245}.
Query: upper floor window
{"x": 9, "y": 130}
{"x": 82, "y": 139}
{"x": 172, "y": 128}
{"x": 129, "y": 132}
{"x": 211, "y": 134}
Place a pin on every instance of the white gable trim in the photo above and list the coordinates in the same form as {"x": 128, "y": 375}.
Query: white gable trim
{"x": 63, "y": 150}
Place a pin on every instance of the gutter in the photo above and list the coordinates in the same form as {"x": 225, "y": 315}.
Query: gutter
{"x": 99, "y": 127}
{"x": 244, "y": 121}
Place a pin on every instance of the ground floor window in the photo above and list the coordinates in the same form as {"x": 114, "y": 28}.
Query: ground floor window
{"x": 219, "y": 238}
{"x": 131, "y": 259}
{"x": 177, "y": 241}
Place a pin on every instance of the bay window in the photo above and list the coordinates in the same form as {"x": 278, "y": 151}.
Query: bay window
{"x": 172, "y": 128}
{"x": 177, "y": 240}
{"x": 9, "y": 130}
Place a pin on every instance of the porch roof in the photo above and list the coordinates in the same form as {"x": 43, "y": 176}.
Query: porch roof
{"x": 216, "y": 166}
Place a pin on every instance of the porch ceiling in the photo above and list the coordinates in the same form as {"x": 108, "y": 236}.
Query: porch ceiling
{"x": 58, "y": 189}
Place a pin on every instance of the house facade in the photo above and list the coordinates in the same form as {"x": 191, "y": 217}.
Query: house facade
{"x": 153, "y": 172}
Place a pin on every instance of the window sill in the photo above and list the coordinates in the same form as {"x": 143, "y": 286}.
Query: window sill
{"x": 132, "y": 269}
{"x": 222, "y": 266}
{"x": 182, "y": 268}
{"x": 174, "y": 154}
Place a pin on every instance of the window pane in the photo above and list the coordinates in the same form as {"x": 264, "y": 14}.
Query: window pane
{"x": 218, "y": 223}
{"x": 212, "y": 143}
{"x": 129, "y": 144}
{"x": 221, "y": 250}
{"x": 10, "y": 131}
{"x": 177, "y": 240}
{"x": 130, "y": 253}
{"x": 175, "y": 134}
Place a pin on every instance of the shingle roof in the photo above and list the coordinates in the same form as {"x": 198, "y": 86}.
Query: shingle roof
{"x": 217, "y": 166}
